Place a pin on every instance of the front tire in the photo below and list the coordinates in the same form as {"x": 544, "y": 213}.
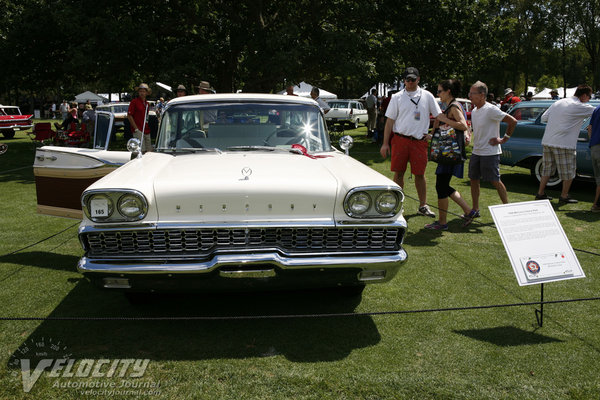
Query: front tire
{"x": 536, "y": 173}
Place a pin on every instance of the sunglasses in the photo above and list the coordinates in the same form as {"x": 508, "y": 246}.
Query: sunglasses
{"x": 410, "y": 79}
{"x": 440, "y": 91}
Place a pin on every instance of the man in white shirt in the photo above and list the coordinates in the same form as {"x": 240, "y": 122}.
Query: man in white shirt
{"x": 564, "y": 119}
{"x": 485, "y": 158}
{"x": 314, "y": 93}
{"x": 406, "y": 134}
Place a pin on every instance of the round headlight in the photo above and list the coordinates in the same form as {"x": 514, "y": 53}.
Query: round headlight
{"x": 130, "y": 206}
{"x": 386, "y": 202}
{"x": 359, "y": 203}
{"x": 100, "y": 206}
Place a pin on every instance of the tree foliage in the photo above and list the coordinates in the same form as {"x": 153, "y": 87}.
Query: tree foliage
{"x": 60, "y": 47}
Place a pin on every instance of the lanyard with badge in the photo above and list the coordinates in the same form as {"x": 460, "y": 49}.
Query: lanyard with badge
{"x": 416, "y": 113}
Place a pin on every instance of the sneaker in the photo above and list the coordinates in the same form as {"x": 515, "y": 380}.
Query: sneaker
{"x": 57, "y": 126}
{"x": 426, "y": 211}
{"x": 542, "y": 197}
{"x": 470, "y": 217}
{"x": 437, "y": 226}
{"x": 567, "y": 200}
{"x": 595, "y": 208}
{"x": 474, "y": 212}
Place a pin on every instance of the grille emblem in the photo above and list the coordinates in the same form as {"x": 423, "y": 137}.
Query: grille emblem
{"x": 246, "y": 172}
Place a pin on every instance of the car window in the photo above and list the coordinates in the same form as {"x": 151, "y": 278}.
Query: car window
{"x": 527, "y": 113}
{"x": 338, "y": 104}
{"x": 229, "y": 125}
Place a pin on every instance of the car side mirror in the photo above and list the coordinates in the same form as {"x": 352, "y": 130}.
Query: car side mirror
{"x": 134, "y": 145}
{"x": 346, "y": 143}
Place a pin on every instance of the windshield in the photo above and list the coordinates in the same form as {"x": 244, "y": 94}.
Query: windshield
{"x": 10, "y": 111}
{"x": 236, "y": 126}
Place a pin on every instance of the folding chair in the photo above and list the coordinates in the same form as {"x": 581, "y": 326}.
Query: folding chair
{"x": 42, "y": 132}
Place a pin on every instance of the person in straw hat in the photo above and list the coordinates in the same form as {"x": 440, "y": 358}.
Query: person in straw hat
{"x": 137, "y": 114}
{"x": 205, "y": 88}
{"x": 181, "y": 91}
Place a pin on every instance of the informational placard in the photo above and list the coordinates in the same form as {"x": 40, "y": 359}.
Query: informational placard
{"x": 535, "y": 242}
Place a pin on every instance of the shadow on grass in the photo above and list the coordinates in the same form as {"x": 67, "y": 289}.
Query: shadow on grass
{"x": 42, "y": 259}
{"x": 16, "y": 164}
{"x": 297, "y": 339}
{"x": 507, "y": 336}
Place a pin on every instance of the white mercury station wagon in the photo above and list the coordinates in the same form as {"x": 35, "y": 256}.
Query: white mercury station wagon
{"x": 242, "y": 192}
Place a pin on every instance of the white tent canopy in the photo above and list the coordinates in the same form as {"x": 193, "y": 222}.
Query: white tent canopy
{"x": 92, "y": 97}
{"x": 303, "y": 90}
{"x": 383, "y": 88}
{"x": 545, "y": 94}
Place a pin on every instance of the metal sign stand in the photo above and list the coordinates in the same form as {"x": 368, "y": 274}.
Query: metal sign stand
{"x": 539, "y": 314}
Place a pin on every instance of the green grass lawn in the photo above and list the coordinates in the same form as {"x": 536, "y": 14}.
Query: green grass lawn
{"x": 497, "y": 353}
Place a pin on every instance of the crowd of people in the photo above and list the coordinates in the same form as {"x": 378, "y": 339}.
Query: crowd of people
{"x": 406, "y": 137}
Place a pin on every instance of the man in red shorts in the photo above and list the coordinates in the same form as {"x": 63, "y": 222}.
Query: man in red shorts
{"x": 406, "y": 130}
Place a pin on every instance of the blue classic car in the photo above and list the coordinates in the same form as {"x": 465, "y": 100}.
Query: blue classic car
{"x": 524, "y": 149}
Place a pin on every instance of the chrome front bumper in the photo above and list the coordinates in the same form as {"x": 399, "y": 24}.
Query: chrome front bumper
{"x": 369, "y": 268}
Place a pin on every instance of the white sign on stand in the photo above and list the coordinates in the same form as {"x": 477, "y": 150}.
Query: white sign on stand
{"x": 535, "y": 242}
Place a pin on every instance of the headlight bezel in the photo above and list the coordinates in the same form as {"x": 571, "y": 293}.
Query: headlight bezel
{"x": 376, "y": 194}
{"x": 115, "y": 197}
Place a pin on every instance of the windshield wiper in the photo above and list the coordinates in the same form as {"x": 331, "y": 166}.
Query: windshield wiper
{"x": 263, "y": 148}
{"x": 175, "y": 150}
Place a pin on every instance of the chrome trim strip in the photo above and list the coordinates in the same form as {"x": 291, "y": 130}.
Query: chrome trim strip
{"x": 114, "y": 226}
{"x": 18, "y": 127}
{"x": 201, "y": 257}
{"x": 106, "y": 162}
{"x": 390, "y": 263}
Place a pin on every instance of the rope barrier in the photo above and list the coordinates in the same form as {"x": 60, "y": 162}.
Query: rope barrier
{"x": 15, "y": 169}
{"x": 290, "y": 316}
{"x": 481, "y": 224}
{"x": 39, "y": 241}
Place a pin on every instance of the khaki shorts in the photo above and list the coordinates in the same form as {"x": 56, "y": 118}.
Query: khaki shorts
{"x": 146, "y": 141}
{"x": 563, "y": 160}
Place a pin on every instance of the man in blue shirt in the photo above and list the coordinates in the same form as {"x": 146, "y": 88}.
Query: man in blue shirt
{"x": 594, "y": 134}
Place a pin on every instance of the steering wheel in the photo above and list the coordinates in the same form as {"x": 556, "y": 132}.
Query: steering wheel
{"x": 191, "y": 137}
{"x": 283, "y": 133}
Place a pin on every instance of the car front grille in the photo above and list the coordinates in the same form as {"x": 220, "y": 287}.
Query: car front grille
{"x": 205, "y": 241}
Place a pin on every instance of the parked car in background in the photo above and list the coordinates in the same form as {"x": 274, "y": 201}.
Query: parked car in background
{"x": 12, "y": 120}
{"x": 242, "y": 192}
{"x": 119, "y": 110}
{"x": 346, "y": 112}
{"x": 524, "y": 148}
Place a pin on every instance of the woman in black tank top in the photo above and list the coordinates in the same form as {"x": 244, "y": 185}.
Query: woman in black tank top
{"x": 453, "y": 117}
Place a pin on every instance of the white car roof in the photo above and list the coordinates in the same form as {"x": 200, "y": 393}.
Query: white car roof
{"x": 251, "y": 97}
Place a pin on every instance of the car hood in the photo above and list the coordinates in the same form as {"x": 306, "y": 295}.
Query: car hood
{"x": 244, "y": 187}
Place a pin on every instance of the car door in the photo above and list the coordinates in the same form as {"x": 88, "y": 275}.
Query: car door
{"x": 584, "y": 155}
{"x": 526, "y": 140}
{"x": 63, "y": 173}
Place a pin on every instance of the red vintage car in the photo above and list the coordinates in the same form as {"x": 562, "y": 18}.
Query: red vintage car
{"x": 12, "y": 120}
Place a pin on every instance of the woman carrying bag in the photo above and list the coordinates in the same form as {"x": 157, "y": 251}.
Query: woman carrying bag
{"x": 453, "y": 117}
